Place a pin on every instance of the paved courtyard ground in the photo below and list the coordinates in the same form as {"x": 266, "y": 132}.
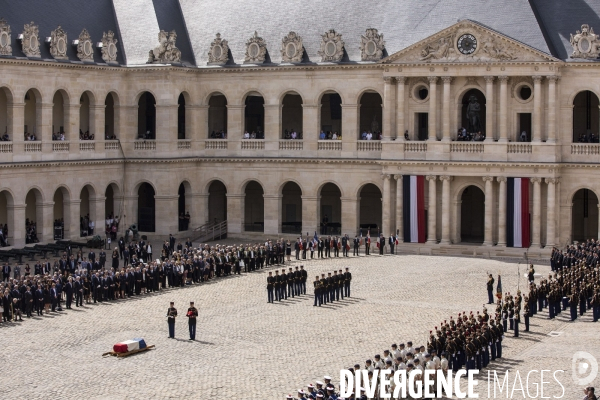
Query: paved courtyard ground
{"x": 249, "y": 349}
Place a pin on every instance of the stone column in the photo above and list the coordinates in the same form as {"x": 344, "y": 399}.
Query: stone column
{"x": 43, "y": 131}
{"x": 551, "y": 111}
{"x": 431, "y": 210}
{"x": 503, "y": 117}
{"x": 166, "y": 220}
{"x": 235, "y": 212}
{"x": 349, "y": 215}
{"x": 16, "y": 122}
{"x": 389, "y": 108}
{"x": 196, "y": 122}
{"x": 571, "y": 213}
{"x": 129, "y": 213}
{"x": 399, "y": 207}
{"x": 536, "y": 134}
{"x": 235, "y": 121}
{"x": 272, "y": 213}
{"x": 72, "y": 219}
{"x": 166, "y": 124}
{"x": 97, "y": 211}
{"x": 44, "y": 213}
{"x": 536, "y": 217}
{"x": 400, "y": 102}
{"x": 72, "y": 121}
{"x": 432, "y": 108}
{"x": 489, "y": 108}
{"x": 97, "y": 121}
{"x": 349, "y": 127}
{"x": 489, "y": 205}
{"x": 446, "y": 109}
{"x": 310, "y": 126}
{"x": 502, "y": 211}
{"x": 386, "y": 206}
{"x": 551, "y": 213}
{"x": 272, "y": 126}
{"x": 16, "y": 225}
{"x": 445, "y": 208}
{"x": 198, "y": 209}
{"x": 309, "y": 214}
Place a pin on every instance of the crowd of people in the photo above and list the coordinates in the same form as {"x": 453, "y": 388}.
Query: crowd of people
{"x": 3, "y": 235}
{"x": 85, "y": 135}
{"x": 588, "y": 138}
{"x": 58, "y": 136}
{"x": 368, "y": 135}
{"x": 258, "y": 134}
{"x": 330, "y": 135}
{"x": 111, "y": 226}
{"x": 292, "y": 134}
{"x": 463, "y": 136}
{"x": 218, "y": 134}
{"x": 30, "y": 231}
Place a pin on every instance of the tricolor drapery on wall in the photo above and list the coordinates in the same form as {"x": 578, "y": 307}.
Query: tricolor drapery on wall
{"x": 517, "y": 212}
{"x": 413, "y": 212}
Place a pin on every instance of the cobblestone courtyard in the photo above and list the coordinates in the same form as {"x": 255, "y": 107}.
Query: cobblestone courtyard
{"x": 249, "y": 349}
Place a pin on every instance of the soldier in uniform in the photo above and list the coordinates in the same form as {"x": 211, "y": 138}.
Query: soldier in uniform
{"x": 356, "y": 246}
{"x": 276, "y": 285}
{"x": 324, "y": 294}
{"x": 347, "y": 281}
{"x": 291, "y": 279}
{"x": 381, "y": 244}
{"x": 283, "y": 280}
{"x": 270, "y": 287}
{"x": 317, "y": 291}
{"x": 330, "y": 288}
{"x": 171, "y": 315}
{"x": 303, "y": 279}
{"x": 490, "y": 289}
{"x": 192, "y": 314}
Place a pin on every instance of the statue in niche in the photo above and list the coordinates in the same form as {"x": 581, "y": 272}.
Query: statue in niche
{"x": 473, "y": 110}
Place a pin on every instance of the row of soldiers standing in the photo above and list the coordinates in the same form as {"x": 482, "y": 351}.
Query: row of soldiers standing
{"x": 331, "y": 288}
{"x": 281, "y": 286}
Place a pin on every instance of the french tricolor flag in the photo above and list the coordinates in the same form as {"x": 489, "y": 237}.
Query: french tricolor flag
{"x": 413, "y": 204}
{"x": 517, "y": 212}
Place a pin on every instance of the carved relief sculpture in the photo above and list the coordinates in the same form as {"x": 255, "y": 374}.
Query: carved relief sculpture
{"x": 85, "y": 47}
{"x": 442, "y": 48}
{"x": 332, "y": 47}
{"x": 166, "y": 52}
{"x": 31, "y": 42}
{"x": 58, "y": 44}
{"x": 585, "y": 43}
{"x": 497, "y": 51}
{"x": 5, "y": 47}
{"x": 219, "y": 51}
{"x": 292, "y": 49}
{"x": 256, "y": 50}
{"x": 371, "y": 45}
{"x": 109, "y": 47}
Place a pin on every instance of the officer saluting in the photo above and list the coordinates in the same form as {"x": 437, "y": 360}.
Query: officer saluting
{"x": 171, "y": 315}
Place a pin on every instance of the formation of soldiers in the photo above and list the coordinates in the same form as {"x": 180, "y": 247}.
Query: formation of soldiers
{"x": 330, "y": 288}
{"x": 284, "y": 285}
{"x": 469, "y": 341}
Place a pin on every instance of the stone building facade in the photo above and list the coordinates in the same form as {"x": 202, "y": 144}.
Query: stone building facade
{"x": 157, "y": 148}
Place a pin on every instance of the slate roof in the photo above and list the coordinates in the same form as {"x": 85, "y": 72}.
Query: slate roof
{"x": 73, "y": 16}
{"x": 545, "y": 25}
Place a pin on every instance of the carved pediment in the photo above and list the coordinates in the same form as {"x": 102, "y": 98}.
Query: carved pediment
{"x": 219, "y": 51}
{"x": 30, "y": 42}
{"x": 58, "y": 44}
{"x": 586, "y": 44}
{"x": 466, "y": 42}
{"x": 109, "y": 47}
{"x": 332, "y": 47}
{"x": 166, "y": 52}
{"x": 372, "y": 45}
{"x": 85, "y": 47}
{"x": 5, "y": 39}
{"x": 292, "y": 49}
{"x": 256, "y": 50}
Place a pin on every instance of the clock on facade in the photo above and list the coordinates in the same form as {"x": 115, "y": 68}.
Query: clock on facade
{"x": 467, "y": 44}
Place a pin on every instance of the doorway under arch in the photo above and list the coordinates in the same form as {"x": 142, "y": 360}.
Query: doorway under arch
{"x": 254, "y": 207}
{"x": 584, "y": 215}
{"x": 585, "y": 117}
{"x": 146, "y": 208}
{"x": 370, "y": 210}
{"x": 217, "y": 202}
{"x": 472, "y": 215}
{"x": 473, "y": 112}
{"x": 291, "y": 208}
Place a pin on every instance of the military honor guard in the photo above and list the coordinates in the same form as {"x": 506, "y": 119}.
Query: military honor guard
{"x": 171, "y": 316}
{"x": 192, "y": 315}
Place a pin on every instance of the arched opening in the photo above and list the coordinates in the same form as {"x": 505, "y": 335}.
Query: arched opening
{"x": 254, "y": 207}
{"x": 472, "y": 215}
{"x": 291, "y": 208}
{"x": 254, "y": 117}
{"x": 7, "y": 223}
{"x": 585, "y": 215}
{"x": 147, "y": 116}
{"x": 111, "y": 209}
{"x": 370, "y": 209}
{"x": 331, "y": 116}
{"x": 182, "y": 206}
{"x": 146, "y": 208}
{"x": 5, "y": 95}
{"x": 291, "y": 116}
{"x": 585, "y": 117}
{"x": 217, "y": 202}
{"x": 217, "y": 116}
{"x": 110, "y": 116}
{"x": 31, "y": 115}
{"x": 60, "y": 219}
{"x": 181, "y": 129}
{"x": 33, "y": 216}
{"x": 330, "y": 208}
{"x": 85, "y": 118}
{"x": 87, "y": 215}
{"x": 60, "y": 117}
{"x": 473, "y": 116}
{"x": 371, "y": 116}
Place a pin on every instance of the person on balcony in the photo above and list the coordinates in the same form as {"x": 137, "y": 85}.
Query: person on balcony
{"x": 322, "y": 136}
